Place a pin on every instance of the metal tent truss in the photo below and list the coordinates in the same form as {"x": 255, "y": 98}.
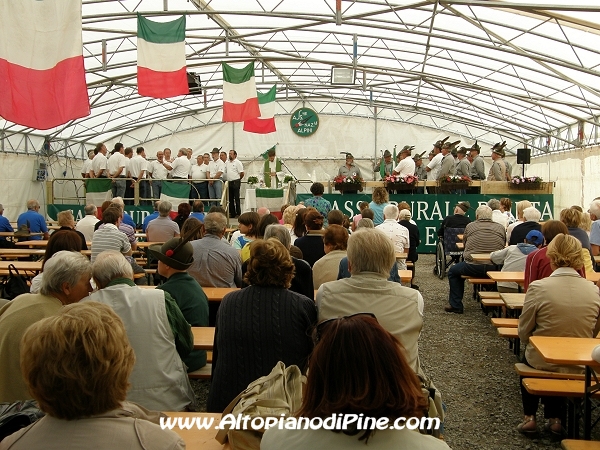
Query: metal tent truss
{"x": 527, "y": 73}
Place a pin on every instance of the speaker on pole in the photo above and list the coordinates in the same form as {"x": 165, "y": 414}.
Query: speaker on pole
{"x": 523, "y": 156}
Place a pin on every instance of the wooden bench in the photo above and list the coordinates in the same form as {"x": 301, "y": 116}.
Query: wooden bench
{"x": 552, "y": 387}
{"x": 525, "y": 371}
{"x": 512, "y": 334}
{"x": 203, "y": 373}
{"x": 405, "y": 276}
{"x": 489, "y": 295}
{"x": 500, "y": 322}
{"x": 478, "y": 283}
{"x": 495, "y": 305}
{"x": 575, "y": 444}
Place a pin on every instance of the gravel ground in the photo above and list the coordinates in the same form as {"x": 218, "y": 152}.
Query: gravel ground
{"x": 472, "y": 367}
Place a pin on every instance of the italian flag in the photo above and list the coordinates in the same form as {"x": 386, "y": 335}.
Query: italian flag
{"x": 240, "y": 101}
{"x": 161, "y": 58}
{"x": 266, "y": 122}
{"x": 175, "y": 193}
{"x": 42, "y": 77}
{"x": 97, "y": 191}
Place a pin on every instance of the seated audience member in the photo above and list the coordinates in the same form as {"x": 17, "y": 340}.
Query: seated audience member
{"x": 198, "y": 210}
{"x": 157, "y": 331}
{"x": 311, "y": 244}
{"x": 108, "y": 237}
{"x": 60, "y": 240}
{"x": 299, "y": 229}
{"x": 344, "y": 272}
{"x": 66, "y": 221}
{"x": 595, "y": 229}
{"x": 400, "y": 309}
{"x": 162, "y": 228}
{"x": 481, "y": 236}
{"x": 150, "y": 217}
{"x": 66, "y": 280}
{"x": 264, "y": 222}
{"x": 86, "y": 224}
{"x": 262, "y": 211}
{"x": 350, "y": 354}
{"x": 260, "y": 325}
{"x": 458, "y": 220}
{"x": 183, "y": 212}
{"x": 194, "y": 228}
{"x": 105, "y": 205}
{"x": 531, "y": 217}
{"x": 397, "y": 233}
{"x": 127, "y": 220}
{"x": 248, "y": 227}
{"x": 521, "y": 206}
{"x": 216, "y": 263}
{"x": 124, "y": 228}
{"x": 335, "y": 217}
{"x": 513, "y": 258}
{"x": 282, "y": 210}
{"x": 77, "y": 365}
{"x": 572, "y": 218}
{"x": 563, "y": 304}
{"x": 288, "y": 217}
{"x": 586, "y": 224}
{"x": 186, "y": 291}
{"x": 302, "y": 283}
{"x": 357, "y": 217}
{"x": 505, "y": 208}
{"x": 368, "y": 213}
{"x": 5, "y": 227}
{"x": 318, "y": 202}
{"x": 381, "y": 199}
{"x": 537, "y": 264}
{"x": 335, "y": 241}
{"x": 497, "y": 215}
{"x": 34, "y": 221}
{"x": 404, "y": 219}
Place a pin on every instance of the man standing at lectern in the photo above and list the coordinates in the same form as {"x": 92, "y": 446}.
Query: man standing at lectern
{"x": 271, "y": 167}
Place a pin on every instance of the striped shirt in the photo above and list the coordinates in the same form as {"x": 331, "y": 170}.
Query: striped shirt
{"x": 109, "y": 238}
{"x": 482, "y": 236}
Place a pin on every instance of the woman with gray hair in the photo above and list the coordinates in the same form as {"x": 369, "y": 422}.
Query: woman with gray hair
{"x": 66, "y": 280}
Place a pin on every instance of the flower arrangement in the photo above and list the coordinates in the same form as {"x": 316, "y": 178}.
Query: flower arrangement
{"x": 288, "y": 178}
{"x": 253, "y": 180}
{"x": 524, "y": 180}
{"x": 455, "y": 179}
{"x": 410, "y": 180}
{"x": 348, "y": 180}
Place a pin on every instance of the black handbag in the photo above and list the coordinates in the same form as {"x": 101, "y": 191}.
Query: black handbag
{"x": 17, "y": 415}
{"x": 14, "y": 285}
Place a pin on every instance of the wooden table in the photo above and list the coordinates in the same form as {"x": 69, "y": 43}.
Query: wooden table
{"x": 41, "y": 243}
{"x": 460, "y": 237}
{"x": 199, "y": 439}
{"x": 514, "y": 277}
{"x": 14, "y": 252}
{"x": 481, "y": 257}
{"x": 203, "y": 337}
{"x": 148, "y": 244}
{"x": 214, "y": 294}
{"x": 11, "y": 234}
{"x": 572, "y": 352}
{"x": 22, "y": 266}
{"x": 401, "y": 255}
{"x": 512, "y": 300}
{"x": 460, "y": 246}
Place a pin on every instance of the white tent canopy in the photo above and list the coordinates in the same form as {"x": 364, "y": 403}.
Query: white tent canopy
{"x": 486, "y": 70}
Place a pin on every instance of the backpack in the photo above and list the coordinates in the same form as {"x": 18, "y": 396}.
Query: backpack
{"x": 278, "y": 393}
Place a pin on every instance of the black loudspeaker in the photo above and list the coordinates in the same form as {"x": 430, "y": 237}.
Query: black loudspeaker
{"x": 523, "y": 156}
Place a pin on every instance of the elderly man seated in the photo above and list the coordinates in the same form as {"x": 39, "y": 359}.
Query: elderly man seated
{"x": 157, "y": 331}
{"x": 397, "y": 233}
{"x": 497, "y": 215}
{"x": 162, "y": 228}
{"x": 399, "y": 309}
{"x": 66, "y": 280}
{"x": 216, "y": 263}
{"x": 531, "y": 219}
{"x": 481, "y": 236}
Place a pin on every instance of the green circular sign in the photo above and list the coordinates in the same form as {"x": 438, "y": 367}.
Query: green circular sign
{"x": 304, "y": 122}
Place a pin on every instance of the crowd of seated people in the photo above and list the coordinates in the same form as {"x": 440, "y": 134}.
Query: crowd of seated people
{"x": 311, "y": 269}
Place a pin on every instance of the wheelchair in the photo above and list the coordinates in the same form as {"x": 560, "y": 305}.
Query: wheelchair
{"x": 446, "y": 252}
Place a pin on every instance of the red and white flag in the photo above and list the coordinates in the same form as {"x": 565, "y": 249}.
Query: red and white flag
{"x": 240, "y": 101}
{"x": 266, "y": 122}
{"x": 42, "y": 76}
{"x": 161, "y": 58}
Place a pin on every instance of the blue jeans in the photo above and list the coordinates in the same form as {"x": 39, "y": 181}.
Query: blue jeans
{"x": 199, "y": 191}
{"x": 118, "y": 187}
{"x": 215, "y": 191}
{"x": 457, "y": 283}
{"x": 156, "y": 189}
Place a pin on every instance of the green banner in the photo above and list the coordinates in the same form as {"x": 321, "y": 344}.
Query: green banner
{"x": 428, "y": 211}
{"x": 137, "y": 213}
